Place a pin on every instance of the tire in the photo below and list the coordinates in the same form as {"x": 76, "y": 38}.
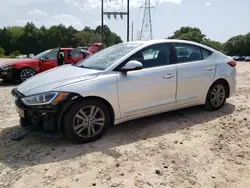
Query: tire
{"x": 211, "y": 102}
{"x": 26, "y": 73}
{"x": 74, "y": 118}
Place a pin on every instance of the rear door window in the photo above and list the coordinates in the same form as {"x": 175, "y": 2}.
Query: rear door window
{"x": 187, "y": 53}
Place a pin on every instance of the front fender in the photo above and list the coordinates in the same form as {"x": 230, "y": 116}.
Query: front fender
{"x": 33, "y": 65}
{"x": 103, "y": 86}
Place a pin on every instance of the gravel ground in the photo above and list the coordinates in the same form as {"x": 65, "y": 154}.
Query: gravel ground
{"x": 186, "y": 148}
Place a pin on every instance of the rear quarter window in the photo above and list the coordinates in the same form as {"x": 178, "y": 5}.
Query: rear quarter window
{"x": 205, "y": 53}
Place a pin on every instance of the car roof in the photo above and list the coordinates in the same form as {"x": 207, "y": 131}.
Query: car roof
{"x": 150, "y": 42}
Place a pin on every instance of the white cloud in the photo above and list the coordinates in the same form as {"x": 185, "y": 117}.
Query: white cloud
{"x": 25, "y": 2}
{"x": 96, "y": 23}
{"x": 37, "y": 12}
{"x": 72, "y": 2}
{"x": 23, "y": 22}
{"x": 208, "y": 4}
{"x": 92, "y": 4}
{"x": 171, "y": 1}
{"x": 119, "y": 4}
{"x": 67, "y": 20}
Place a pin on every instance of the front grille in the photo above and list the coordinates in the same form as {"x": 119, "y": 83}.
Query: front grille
{"x": 16, "y": 93}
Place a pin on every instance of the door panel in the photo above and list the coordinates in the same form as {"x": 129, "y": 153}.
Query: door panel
{"x": 74, "y": 56}
{"x": 147, "y": 90}
{"x": 48, "y": 64}
{"x": 194, "y": 79}
{"x": 194, "y": 76}
{"x": 50, "y": 60}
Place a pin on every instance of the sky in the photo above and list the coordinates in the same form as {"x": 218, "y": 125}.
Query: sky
{"x": 218, "y": 19}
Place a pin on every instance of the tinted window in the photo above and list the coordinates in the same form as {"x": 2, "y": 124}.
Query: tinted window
{"x": 86, "y": 54}
{"x": 53, "y": 54}
{"x": 153, "y": 56}
{"x": 74, "y": 53}
{"x": 186, "y": 53}
{"x": 205, "y": 53}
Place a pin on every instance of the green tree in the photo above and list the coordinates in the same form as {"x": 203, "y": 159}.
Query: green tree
{"x": 189, "y": 33}
{"x": 31, "y": 39}
{"x": 2, "y": 52}
{"x": 15, "y": 53}
{"x": 238, "y": 45}
{"x": 213, "y": 44}
{"x": 88, "y": 35}
{"x": 194, "y": 34}
{"x": 4, "y": 40}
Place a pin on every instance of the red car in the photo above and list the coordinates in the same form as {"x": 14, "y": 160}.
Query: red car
{"x": 22, "y": 69}
{"x": 95, "y": 47}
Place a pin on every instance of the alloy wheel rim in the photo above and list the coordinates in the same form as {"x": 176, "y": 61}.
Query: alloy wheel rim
{"x": 88, "y": 121}
{"x": 218, "y": 95}
{"x": 26, "y": 73}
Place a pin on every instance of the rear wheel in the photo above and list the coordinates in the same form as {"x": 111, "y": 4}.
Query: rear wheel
{"x": 26, "y": 73}
{"x": 216, "y": 96}
{"x": 86, "y": 121}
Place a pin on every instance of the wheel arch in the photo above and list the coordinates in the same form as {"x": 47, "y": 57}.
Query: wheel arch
{"x": 18, "y": 71}
{"x": 77, "y": 98}
{"x": 225, "y": 82}
{"x": 26, "y": 67}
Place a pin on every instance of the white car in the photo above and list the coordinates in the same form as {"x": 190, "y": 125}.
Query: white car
{"x": 125, "y": 82}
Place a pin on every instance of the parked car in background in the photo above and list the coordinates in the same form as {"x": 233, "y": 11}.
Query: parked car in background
{"x": 21, "y": 70}
{"x": 92, "y": 47}
{"x": 239, "y": 58}
{"x": 95, "y": 47}
{"x": 31, "y": 55}
{"x": 125, "y": 82}
{"x": 247, "y": 58}
{"x": 21, "y": 56}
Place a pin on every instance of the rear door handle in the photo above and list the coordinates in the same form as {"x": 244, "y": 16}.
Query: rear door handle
{"x": 170, "y": 75}
{"x": 209, "y": 68}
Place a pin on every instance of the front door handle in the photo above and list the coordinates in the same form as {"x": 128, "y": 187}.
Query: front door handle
{"x": 209, "y": 68}
{"x": 170, "y": 75}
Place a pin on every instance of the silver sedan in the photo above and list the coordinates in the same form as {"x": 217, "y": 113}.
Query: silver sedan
{"x": 125, "y": 82}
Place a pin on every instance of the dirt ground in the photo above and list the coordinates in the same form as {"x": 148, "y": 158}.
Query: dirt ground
{"x": 181, "y": 149}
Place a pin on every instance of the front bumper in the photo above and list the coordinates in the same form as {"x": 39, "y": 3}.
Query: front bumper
{"x": 9, "y": 74}
{"x": 46, "y": 117}
{"x": 37, "y": 118}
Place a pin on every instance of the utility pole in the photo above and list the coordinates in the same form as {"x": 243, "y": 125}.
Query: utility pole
{"x": 127, "y": 20}
{"x": 132, "y": 28}
{"x": 102, "y": 21}
{"x": 115, "y": 14}
{"x": 146, "y": 29}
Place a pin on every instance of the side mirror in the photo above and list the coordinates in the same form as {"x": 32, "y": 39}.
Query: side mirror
{"x": 132, "y": 65}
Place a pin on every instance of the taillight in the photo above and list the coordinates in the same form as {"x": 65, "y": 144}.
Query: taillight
{"x": 232, "y": 63}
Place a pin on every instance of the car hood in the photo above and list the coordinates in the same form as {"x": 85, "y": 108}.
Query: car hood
{"x": 17, "y": 61}
{"x": 54, "y": 78}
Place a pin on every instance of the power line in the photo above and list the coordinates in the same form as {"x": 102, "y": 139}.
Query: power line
{"x": 114, "y": 14}
{"x": 146, "y": 29}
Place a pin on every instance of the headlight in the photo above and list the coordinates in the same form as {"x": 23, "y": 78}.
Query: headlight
{"x": 6, "y": 68}
{"x": 44, "y": 98}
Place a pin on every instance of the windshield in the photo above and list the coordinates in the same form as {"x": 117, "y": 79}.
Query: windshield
{"x": 107, "y": 57}
{"x": 38, "y": 56}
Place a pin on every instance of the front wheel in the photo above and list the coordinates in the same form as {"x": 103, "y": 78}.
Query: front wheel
{"x": 86, "y": 121}
{"x": 216, "y": 96}
{"x": 26, "y": 73}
